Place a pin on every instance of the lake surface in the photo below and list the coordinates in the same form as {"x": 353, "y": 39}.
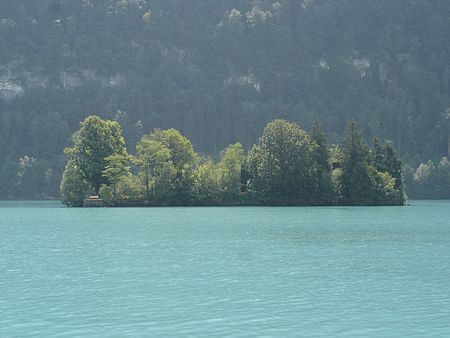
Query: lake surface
{"x": 241, "y": 272}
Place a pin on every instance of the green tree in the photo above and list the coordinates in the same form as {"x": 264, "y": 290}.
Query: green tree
{"x": 74, "y": 188}
{"x": 424, "y": 178}
{"x": 377, "y": 156}
{"x": 151, "y": 157}
{"x": 322, "y": 186}
{"x": 128, "y": 191}
{"x": 357, "y": 185}
{"x": 165, "y": 190}
{"x": 336, "y": 161}
{"x": 385, "y": 191}
{"x": 443, "y": 179}
{"x": 431, "y": 180}
{"x": 281, "y": 165}
{"x": 321, "y": 153}
{"x": 385, "y": 160}
{"x": 181, "y": 151}
{"x": 116, "y": 169}
{"x": 230, "y": 166}
{"x": 183, "y": 158}
{"x": 336, "y": 185}
{"x": 96, "y": 140}
{"x": 206, "y": 183}
{"x": 393, "y": 165}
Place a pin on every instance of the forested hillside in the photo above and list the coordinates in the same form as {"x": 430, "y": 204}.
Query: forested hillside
{"x": 218, "y": 71}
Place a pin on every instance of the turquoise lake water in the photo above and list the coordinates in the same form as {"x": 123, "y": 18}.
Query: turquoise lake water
{"x": 241, "y": 272}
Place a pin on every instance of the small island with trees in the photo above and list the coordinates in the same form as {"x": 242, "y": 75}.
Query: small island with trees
{"x": 288, "y": 166}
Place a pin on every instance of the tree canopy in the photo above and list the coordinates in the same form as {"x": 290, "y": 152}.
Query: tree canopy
{"x": 94, "y": 142}
{"x": 287, "y": 167}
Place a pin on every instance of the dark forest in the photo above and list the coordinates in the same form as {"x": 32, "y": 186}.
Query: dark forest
{"x": 219, "y": 71}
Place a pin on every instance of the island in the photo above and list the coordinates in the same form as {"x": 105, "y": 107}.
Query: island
{"x": 288, "y": 166}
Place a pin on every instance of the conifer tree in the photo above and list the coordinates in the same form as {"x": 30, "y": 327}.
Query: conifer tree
{"x": 321, "y": 155}
{"x": 357, "y": 185}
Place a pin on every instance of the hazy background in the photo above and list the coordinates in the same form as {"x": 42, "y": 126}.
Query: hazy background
{"x": 217, "y": 70}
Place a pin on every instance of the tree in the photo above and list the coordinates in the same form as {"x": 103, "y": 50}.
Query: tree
{"x": 281, "y": 165}
{"x": 181, "y": 151}
{"x": 357, "y": 186}
{"x": 424, "y": 178}
{"x": 321, "y": 153}
{"x": 385, "y": 160}
{"x": 128, "y": 191}
{"x": 165, "y": 190}
{"x": 443, "y": 179}
{"x": 74, "y": 187}
{"x": 96, "y": 140}
{"x": 26, "y": 174}
{"x": 116, "y": 169}
{"x": 230, "y": 171}
{"x": 431, "y": 180}
{"x": 385, "y": 191}
{"x": 206, "y": 183}
{"x": 151, "y": 157}
{"x": 377, "y": 156}
{"x": 447, "y": 117}
{"x": 323, "y": 189}
{"x": 393, "y": 165}
{"x": 183, "y": 157}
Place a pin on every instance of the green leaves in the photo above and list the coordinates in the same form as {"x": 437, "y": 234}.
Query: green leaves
{"x": 287, "y": 167}
{"x": 153, "y": 158}
{"x": 369, "y": 177}
{"x": 357, "y": 188}
{"x": 181, "y": 151}
{"x": 281, "y": 165}
{"x": 96, "y": 140}
{"x": 73, "y": 187}
{"x": 230, "y": 166}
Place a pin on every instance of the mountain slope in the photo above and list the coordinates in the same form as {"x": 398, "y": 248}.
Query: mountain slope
{"x": 218, "y": 71}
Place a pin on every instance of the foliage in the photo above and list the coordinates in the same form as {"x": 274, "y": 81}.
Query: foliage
{"x": 93, "y": 143}
{"x": 181, "y": 151}
{"x": 323, "y": 187}
{"x": 357, "y": 185}
{"x": 128, "y": 191}
{"x": 431, "y": 180}
{"x": 230, "y": 166}
{"x": 178, "y": 173}
{"x": 363, "y": 176}
{"x": 281, "y": 165}
{"x": 287, "y": 167}
{"x": 206, "y": 188}
{"x": 336, "y": 184}
{"x": 74, "y": 188}
{"x": 386, "y": 191}
{"x": 116, "y": 169}
{"x": 151, "y": 155}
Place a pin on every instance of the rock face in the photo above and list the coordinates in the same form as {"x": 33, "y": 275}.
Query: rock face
{"x": 9, "y": 89}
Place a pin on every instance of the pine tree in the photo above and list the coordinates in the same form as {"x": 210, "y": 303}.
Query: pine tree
{"x": 357, "y": 185}
{"x": 323, "y": 171}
